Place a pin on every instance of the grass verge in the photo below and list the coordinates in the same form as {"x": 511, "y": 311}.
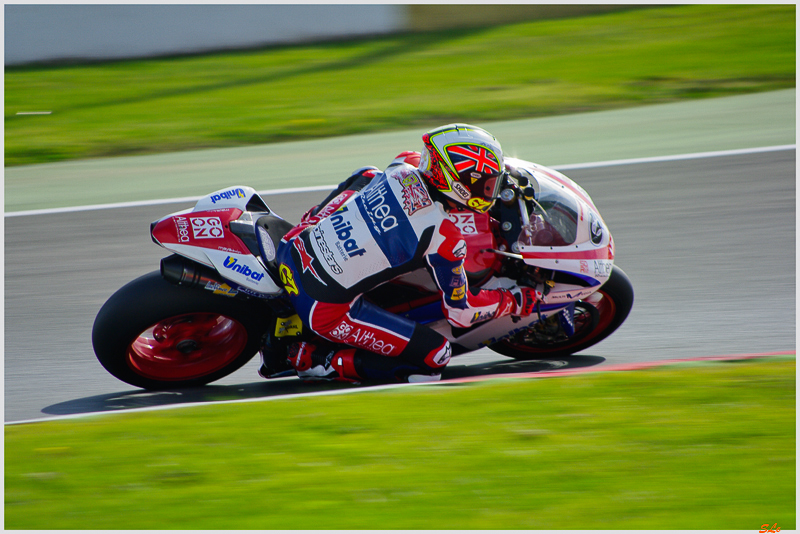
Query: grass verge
{"x": 706, "y": 446}
{"x": 417, "y": 80}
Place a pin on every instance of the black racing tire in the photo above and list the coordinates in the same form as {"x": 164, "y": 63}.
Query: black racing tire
{"x": 157, "y": 335}
{"x": 597, "y": 317}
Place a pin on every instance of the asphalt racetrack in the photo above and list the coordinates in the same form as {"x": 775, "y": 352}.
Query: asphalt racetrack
{"x": 709, "y": 244}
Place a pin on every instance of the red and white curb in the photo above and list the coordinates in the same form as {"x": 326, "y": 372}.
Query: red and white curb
{"x": 620, "y": 367}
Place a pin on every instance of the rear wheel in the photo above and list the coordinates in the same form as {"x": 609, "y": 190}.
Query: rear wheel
{"x": 595, "y": 318}
{"x": 157, "y": 335}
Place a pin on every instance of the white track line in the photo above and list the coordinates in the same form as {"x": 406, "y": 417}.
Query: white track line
{"x": 596, "y": 164}
{"x": 162, "y": 407}
{"x": 677, "y": 157}
{"x": 346, "y": 391}
{"x": 140, "y": 203}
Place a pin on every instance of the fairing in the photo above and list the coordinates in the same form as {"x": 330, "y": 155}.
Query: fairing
{"x": 206, "y": 234}
{"x": 569, "y": 235}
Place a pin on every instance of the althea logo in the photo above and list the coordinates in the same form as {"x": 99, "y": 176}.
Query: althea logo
{"x": 378, "y": 210}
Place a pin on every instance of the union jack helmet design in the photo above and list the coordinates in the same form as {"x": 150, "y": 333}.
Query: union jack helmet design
{"x": 465, "y": 163}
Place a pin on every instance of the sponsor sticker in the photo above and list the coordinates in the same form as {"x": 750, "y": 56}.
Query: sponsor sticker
{"x": 457, "y": 281}
{"x": 227, "y": 195}
{"x": 465, "y": 222}
{"x": 461, "y": 190}
{"x": 361, "y": 337}
{"x": 234, "y": 265}
{"x": 458, "y": 293}
{"x": 342, "y": 330}
{"x": 248, "y": 291}
{"x": 479, "y": 204}
{"x": 182, "y": 227}
{"x": 287, "y": 277}
{"x": 378, "y": 210}
{"x": 327, "y": 254}
{"x": 602, "y": 268}
{"x": 289, "y": 326}
{"x": 567, "y": 296}
{"x": 344, "y": 233}
{"x": 221, "y": 289}
{"x": 415, "y": 195}
{"x": 479, "y": 317}
{"x": 232, "y": 250}
{"x": 207, "y": 228}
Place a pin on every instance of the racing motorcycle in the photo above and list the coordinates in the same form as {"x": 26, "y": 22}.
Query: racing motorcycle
{"x": 218, "y": 300}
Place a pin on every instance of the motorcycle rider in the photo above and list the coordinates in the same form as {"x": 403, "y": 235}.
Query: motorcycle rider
{"x": 376, "y": 226}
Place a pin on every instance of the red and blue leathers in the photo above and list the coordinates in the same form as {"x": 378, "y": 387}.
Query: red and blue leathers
{"x": 366, "y": 236}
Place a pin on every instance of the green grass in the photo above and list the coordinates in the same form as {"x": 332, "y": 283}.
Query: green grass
{"x": 416, "y": 80}
{"x": 690, "y": 447}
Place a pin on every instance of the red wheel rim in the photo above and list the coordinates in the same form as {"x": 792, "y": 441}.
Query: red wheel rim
{"x": 606, "y": 309}
{"x": 187, "y": 346}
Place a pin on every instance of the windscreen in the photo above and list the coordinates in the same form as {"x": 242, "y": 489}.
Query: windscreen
{"x": 557, "y": 226}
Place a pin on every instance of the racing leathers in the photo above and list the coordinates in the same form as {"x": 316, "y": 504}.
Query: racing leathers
{"x": 377, "y": 226}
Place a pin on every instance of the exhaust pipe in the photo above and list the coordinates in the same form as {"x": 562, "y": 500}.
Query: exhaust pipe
{"x": 183, "y": 272}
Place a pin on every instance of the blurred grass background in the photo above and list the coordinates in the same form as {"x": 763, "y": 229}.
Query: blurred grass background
{"x": 471, "y": 74}
{"x": 707, "y": 446}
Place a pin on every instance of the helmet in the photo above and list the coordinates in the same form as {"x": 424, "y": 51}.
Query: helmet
{"x": 465, "y": 163}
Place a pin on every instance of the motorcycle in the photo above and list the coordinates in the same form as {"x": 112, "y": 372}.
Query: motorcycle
{"x": 218, "y": 300}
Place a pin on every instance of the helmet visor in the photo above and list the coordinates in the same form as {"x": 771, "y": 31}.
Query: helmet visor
{"x": 491, "y": 188}
{"x": 485, "y": 191}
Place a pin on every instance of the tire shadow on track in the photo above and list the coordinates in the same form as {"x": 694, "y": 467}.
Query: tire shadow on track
{"x": 138, "y": 399}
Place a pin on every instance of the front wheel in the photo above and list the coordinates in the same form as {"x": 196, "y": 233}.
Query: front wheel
{"x": 595, "y": 318}
{"x": 156, "y": 335}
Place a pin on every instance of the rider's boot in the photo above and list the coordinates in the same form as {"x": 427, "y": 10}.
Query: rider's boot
{"x": 273, "y": 359}
{"x": 272, "y": 369}
{"x": 314, "y": 364}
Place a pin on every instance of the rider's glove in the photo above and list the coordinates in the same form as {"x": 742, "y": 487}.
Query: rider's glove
{"x": 526, "y": 299}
